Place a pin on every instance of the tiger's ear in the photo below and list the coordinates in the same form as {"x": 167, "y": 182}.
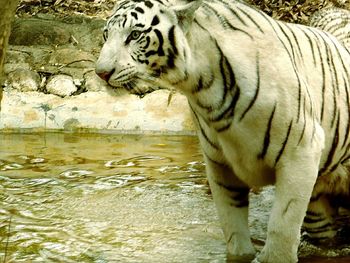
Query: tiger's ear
{"x": 185, "y": 13}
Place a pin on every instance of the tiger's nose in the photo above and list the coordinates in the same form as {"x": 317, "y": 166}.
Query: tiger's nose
{"x": 105, "y": 75}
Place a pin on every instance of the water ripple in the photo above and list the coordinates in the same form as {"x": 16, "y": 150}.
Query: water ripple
{"x": 138, "y": 161}
{"x": 11, "y": 166}
{"x": 116, "y": 181}
{"x": 74, "y": 174}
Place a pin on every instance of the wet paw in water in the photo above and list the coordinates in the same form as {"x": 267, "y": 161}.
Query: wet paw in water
{"x": 241, "y": 259}
{"x": 341, "y": 240}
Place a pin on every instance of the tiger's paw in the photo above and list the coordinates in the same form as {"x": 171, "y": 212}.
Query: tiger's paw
{"x": 273, "y": 256}
{"x": 240, "y": 252}
{"x": 339, "y": 240}
{"x": 240, "y": 259}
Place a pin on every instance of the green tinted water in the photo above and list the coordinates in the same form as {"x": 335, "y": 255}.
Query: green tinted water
{"x": 75, "y": 198}
{"x": 110, "y": 198}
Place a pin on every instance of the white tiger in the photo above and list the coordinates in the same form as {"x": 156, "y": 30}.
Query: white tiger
{"x": 335, "y": 21}
{"x": 271, "y": 101}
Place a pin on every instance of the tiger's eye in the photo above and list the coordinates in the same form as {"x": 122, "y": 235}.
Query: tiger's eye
{"x": 135, "y": 34}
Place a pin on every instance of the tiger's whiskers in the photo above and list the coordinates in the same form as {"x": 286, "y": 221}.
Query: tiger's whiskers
{"x": 156, "y": 81}
{"x": 162, "y": 84}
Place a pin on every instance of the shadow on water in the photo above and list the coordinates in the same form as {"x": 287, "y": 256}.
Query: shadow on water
{"x": 109, "y": 198}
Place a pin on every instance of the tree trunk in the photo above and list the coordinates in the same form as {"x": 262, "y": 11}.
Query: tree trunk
{"x": 7, "y": 11}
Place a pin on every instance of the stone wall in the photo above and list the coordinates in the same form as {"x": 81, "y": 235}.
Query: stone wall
{"x": 51, "y": 85}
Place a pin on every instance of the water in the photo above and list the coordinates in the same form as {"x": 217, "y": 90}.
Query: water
{"x": 111, "y": 198}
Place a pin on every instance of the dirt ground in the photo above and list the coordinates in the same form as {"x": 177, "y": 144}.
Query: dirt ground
{"x": 296, "y": 11}
{"x": 290, "y": 11}
{"x": 62, "y": 8}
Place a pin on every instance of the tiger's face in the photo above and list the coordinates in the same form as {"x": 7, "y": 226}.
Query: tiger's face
{"x": 143, "y": 42}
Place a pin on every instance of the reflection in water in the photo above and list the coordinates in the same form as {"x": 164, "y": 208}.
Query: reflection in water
{"x": 109, "y": 198}
{"x": 85, "y": 198}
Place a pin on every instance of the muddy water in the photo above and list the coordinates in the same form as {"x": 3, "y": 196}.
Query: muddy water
{"x": 114, "y": 198}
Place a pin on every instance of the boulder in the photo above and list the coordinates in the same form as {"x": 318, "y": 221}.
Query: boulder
{"x": 32, "y": 31}
{"x": 24, "y": 80}
{"x": 61, "y": 85}
{"x": 73, "y": 58}
{"x": 10, "y": 67}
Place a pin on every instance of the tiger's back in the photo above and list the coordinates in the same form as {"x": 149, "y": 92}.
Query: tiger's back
{"x": 335, "y": 21}
{"x": 270, "y": 99}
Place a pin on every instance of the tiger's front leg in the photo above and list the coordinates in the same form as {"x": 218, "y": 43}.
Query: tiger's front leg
{"x": 296, "y": 175}
{"x": 231, "y": 199}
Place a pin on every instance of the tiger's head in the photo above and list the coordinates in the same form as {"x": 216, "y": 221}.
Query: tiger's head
{"x": 145, "y": 42}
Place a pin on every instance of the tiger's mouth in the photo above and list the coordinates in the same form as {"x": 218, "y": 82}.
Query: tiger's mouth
{"x": 133, "y": 85}
{"x": 131, "y": 81}
{"x": 125, "y": 79}
{"x": 116, "y": 84}
{"x": 122, "y": 79}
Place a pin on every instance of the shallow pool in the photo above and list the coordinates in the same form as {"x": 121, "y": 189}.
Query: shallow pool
{"x": 112, "y": 198}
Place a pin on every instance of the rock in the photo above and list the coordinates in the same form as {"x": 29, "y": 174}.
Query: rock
{"x": 94, "y": 83}
{"x": 61, "y": 85}
{"x": 17, "y": 56}
{"x": 72, "y": 58}
{"x": 32, "y": 31}
{"x": 10, "y": 67}
{"x": 24, "y": 80}
{"x": 40, "y": 56}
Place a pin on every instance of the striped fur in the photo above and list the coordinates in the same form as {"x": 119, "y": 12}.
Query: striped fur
{"x": 335, "y": 21}
{"x": 271, "y": 101}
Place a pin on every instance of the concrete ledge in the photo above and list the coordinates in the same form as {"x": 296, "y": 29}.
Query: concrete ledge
{"x": 96, "y": 112}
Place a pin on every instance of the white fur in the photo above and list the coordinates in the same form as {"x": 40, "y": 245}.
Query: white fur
{"x": 335, "y": 21}
{"x": 259, "y": 56}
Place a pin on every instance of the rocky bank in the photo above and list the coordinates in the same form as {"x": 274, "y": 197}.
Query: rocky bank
{"x": 51, "y": 84}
